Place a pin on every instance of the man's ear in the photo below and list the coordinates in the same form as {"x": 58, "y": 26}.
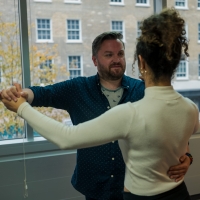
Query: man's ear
{"x": 94, "y": 59}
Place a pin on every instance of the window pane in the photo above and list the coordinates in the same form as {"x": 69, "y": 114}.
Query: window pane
{"x": 141, "y": 1}
{"x": 11, "y": 126}
{"x": 73, "y": 29}
{"x": 117, "y": 26}
{"x": 180, "y": 3}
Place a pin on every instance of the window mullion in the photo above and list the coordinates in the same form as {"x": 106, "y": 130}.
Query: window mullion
{"x": 24, "y": 48}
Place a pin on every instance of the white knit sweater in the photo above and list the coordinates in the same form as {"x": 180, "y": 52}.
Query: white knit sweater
{"x": 153, "y": 134}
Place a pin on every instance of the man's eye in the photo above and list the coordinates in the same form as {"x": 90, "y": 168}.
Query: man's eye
{"x": 108, "y": 55}
{"x": 121, "y": 54}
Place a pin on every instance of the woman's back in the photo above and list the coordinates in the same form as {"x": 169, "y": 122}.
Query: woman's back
{"x": 162, "y": 124}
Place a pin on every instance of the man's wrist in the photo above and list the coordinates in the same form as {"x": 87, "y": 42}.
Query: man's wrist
{"x": 190, "y": 157}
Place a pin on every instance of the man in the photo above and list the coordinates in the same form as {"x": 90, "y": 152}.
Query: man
{"x": 99, "y": 173}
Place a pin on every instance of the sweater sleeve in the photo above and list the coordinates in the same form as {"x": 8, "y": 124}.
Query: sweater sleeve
{"x": 112, "y": 125}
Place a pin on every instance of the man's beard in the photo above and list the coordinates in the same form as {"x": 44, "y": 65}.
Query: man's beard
{"x": 110, "y": 74}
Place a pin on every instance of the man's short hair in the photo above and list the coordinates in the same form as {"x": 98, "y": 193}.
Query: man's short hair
{"x": 112, "y": 35}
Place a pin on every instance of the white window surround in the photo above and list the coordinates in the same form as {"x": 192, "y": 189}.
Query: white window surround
{"x": 43, "y": 1}
{"x": 73, "y": 1}
{"x": 117, "y": 3}
{"x": 181, "y": 7}
{"x": 186, "y": 72}
{"x": 51, "y": 33}
{"x": 78, "y": 69}
{"x": 147, "y": 4}
{"x": 80, "y": 33}
{"x": 123, "y": 29}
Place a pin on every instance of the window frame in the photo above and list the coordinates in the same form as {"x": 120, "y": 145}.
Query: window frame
{"x": 117, "y": 3}
{"x": 123, "y": 28}
{"x": 187, "y": 70}
{"x": 139, "y": 31}
{"x": 81, "y": 65}
{"x": 51, "y": 32}
{"x": 43, "y": 1}
{"x": 80, "y": 32}
{"x": 142, "y": 4}
{"x": 199, "y": 66}
{"x": 198, "y": 32}
{"x": 73, "y": 2}
{"x": 181, "y": 7}
{"x": 52, "y": 62}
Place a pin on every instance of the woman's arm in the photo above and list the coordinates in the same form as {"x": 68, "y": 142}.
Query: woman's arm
{"x": 112, "y": 125}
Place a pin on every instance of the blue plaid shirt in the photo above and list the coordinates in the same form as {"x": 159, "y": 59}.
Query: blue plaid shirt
{"x": 100, "y": 170}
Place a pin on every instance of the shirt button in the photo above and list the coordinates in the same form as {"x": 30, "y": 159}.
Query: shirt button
{"x": 113, "y": 141}
{"x": 112, "y": 176}
{"x": 108, "y": 107}
{"x": 113, "y": 158}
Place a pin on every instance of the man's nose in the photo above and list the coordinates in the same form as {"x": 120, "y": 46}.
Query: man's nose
{"x": 116, "y": 58}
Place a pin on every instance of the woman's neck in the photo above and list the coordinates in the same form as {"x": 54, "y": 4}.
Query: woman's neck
{"x": 151, "y": 83}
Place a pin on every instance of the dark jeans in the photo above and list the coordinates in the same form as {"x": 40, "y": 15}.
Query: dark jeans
{"x": 178, "y": 193}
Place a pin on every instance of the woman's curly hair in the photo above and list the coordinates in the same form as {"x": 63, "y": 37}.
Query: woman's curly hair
{"x": 161, "y": 42}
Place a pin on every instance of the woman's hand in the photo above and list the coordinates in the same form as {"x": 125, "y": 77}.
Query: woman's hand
{"x": 12, "y": 105}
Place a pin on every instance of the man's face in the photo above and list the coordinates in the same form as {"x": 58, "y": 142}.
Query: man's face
{"x": 110, "y": 60}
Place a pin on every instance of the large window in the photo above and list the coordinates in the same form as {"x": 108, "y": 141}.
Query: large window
{"x": 182, "y": 4}
{"x": 11, "y": 126}
{"x": 75, "y": 68}
{"x": 44, "y": 30}
{"x": 198, "y": 4}
{"x": 73, "y": 30}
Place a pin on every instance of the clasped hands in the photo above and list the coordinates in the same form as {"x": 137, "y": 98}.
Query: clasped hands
{"x": 12, "y": 103}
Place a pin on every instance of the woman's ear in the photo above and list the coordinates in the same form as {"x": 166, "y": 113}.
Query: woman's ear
{"x": 141, "y": 62}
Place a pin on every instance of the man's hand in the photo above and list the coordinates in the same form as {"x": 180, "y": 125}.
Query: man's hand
{"x": 177, "y": 172}
{"x": 12, "y": 105}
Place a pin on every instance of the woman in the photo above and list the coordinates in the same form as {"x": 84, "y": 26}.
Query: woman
{"x": 153, "y": 132}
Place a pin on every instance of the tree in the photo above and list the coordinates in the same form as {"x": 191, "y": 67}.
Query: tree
{"x": 43, "y": 72}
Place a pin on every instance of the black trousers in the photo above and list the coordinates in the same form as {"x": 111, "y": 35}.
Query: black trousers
{"x": 88, "y": 198}
{"x": 178, "y": 193}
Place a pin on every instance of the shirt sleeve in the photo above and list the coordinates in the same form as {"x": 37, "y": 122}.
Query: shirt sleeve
{"x": 58, "y": 95}
{"x": 112, "y": 125}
